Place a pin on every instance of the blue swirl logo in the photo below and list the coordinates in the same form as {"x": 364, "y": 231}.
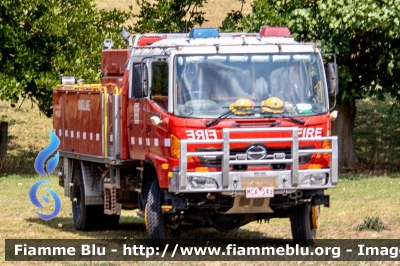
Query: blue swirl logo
{"x": 45, "y": 153}
{"x": 35, "y": 200}
{"x": 40, "y": 169}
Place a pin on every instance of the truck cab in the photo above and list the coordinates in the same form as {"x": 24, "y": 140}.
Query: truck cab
{"x": 214, "y": 128}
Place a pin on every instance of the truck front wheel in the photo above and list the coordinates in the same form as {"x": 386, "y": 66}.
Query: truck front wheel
{"x": 86, "y": 217}
{"x": 159, "y": 225}
{"x": 304, "y": 223}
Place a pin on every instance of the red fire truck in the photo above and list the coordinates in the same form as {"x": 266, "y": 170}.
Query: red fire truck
{"x": 203, "y": 128}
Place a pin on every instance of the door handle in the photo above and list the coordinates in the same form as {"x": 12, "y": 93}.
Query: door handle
{"x": 130, "y": 126}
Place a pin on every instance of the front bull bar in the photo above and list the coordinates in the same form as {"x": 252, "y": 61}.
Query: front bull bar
{"x": 287, "y": 180}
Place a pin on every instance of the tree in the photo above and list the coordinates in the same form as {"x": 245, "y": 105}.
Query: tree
{"x": 365, "y": 36}
{"x": 231, "y": 21}
{"x": 169, "y": 16}
{"x": 43, "y": 40}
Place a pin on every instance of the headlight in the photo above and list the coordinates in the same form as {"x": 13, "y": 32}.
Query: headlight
{"x": 314, "y": 180}
{"x": 202, "y": 182}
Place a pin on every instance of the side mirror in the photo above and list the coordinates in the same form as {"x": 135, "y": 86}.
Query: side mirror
{"x": 140, "y": 89}
{"x": 139, "y": 81}
{"x": 333, "y": 79}
{"x": 137, "y": 90}
{"x": 144, "y": 84}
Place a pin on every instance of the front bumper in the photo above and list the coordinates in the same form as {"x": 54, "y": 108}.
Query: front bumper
{"x": 230, "y": 182}
{"x": 238, "y": 182}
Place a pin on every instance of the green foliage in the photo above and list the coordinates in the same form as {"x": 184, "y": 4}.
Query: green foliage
{"x": 169, "y": 16}
{"x": 44, "y": 40}
{"x": 365, "y": 35}
{"x": 375, "y": 135}
{"x": 230, "y": 23}
{"x": 394, "y": 113}
{"x": 372, "y": 224}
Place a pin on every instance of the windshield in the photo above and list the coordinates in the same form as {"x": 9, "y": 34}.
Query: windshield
{"x": 250, "y": 86}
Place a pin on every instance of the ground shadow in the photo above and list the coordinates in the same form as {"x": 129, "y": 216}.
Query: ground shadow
{"x": 134, "y": 228}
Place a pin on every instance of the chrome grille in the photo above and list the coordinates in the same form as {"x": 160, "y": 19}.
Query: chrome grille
{"x": 240, "y": 154}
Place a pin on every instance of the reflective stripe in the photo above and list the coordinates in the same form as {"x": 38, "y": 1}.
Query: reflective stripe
{"x": 167, "y": 142}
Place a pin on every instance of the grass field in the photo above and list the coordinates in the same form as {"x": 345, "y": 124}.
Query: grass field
{"x": 361, "y": 194}
{"x": 354, "y": 199}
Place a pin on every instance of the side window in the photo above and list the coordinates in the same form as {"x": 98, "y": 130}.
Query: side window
{"x": 159, "y": 84}
{"x": 316, "y": 84}
{"x": 139, "y": 81}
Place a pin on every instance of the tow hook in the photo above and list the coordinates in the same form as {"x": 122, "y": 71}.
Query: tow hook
{"x": 296, "y": 195}
{"x": 210, "y": 196}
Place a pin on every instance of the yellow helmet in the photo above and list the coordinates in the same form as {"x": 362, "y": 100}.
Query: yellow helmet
{"x": 272, "y": 105}
{"x": 242, "y": 107}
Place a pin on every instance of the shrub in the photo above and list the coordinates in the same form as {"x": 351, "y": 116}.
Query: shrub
{"x": 372, "y": 223}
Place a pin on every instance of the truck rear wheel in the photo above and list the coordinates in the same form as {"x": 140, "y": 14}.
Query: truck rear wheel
{"x": 158, "y": 224}
{"x": 303, "y": 224}
{"x": 86, "y": 217}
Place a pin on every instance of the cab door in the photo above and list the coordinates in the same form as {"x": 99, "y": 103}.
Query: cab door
{"x": 158, "y": 135}
{"x": 135, "y": 115}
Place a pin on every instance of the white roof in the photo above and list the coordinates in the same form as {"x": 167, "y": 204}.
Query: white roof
{"x": 225, "y": 45}
{"x": 223, "y": 41}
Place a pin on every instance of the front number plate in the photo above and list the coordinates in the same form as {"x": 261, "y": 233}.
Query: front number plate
{"x": 259, "y": 192}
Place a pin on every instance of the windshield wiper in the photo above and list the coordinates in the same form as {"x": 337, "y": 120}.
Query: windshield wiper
{"x": 273, "y": 124}
{"x": 292, "y": 119}
{"x": 219, "y": 118}
{"x": 227, "y": 114}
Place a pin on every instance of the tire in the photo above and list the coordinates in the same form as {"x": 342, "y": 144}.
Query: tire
{"x": 159, "y": 225}
{"x": 302, "y": 226}
{"x": 86, "y": 217}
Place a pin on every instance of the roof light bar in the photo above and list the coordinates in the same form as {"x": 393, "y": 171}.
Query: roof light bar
{"x": 266, "y": 31}
{"x": 148, "y": 40}
{"x": 204, "y": 33}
